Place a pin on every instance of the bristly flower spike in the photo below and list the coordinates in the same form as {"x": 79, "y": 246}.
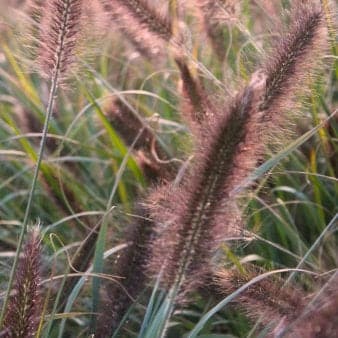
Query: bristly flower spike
{"x": 222, "y": 160}
{"x": 213, "y": 12}
{"x": 319, "y": 318}
{"x": 147, "y": 30}
{"x": 23, "y": 312}
{"x": 268, "y": 301}
{"x": 236, "y": 142}
{"x": 291, "y": 62}
{"x": 130, "y": 266}
{"x": 60, "y": 32}
{"x": 147, "y": 17}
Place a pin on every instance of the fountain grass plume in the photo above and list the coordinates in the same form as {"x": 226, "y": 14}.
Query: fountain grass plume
{"x": 148, "y": 152}
{"x": 144, "y": 27}
{"x": 188, "y": 239}
{"x": 196, "y": 103}
{"x": 290, "y": 66}
{"x": 267, "y": 301}
{"x": 129, "y": 265}
{"x": 60, "y": 34}
{"x": 131, "y": 261}
{"x": 34, "y": 9}
{"x": 147, "y": 17}
{"x": 235, "y": 143}
{"x": 24, "y": 306}
{"x": 319, "y": 319}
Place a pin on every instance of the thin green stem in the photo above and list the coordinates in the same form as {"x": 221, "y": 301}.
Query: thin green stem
{"x": 31, "y": 194}
{"x": 49, "y": 111}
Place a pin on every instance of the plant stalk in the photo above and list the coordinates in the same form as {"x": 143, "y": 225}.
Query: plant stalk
{"x": 49, "y": 111}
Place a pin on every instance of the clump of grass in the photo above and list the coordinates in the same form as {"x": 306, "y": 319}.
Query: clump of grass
{"x": 178, "y": 230}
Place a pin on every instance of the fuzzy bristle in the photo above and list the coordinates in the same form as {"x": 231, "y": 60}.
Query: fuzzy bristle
{"x": 147, "y": 17}
{"x": 227, "y": 154}
{"x": 34, "y": 9}
{"x": 197, "y": 106}
{"x": 320, "y": 318}
{"x": 23, "y": 311}
{"x": 200, "y": 217}
{"x": 291, "y": 62}
{"x": 143, "y": 26}
{"x": 148, "y": 152}
{"x": 60, "y": 30}
{"x": 267, "y": 301}
{"x": 151, "y": 33}
{"x": 128, "y": 125}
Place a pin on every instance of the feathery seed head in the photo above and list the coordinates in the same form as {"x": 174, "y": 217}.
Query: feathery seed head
{"x": 130, "y": 266}
{"x": 319, "y": 320}
{"x": 34, "y": 10}
{"x": 228, "y": 152}
{"x": 22, "y": 317}
{"x": 197, "y": 105}
{"x": 291, "y": 62}
{"x": 60, "y": 34}
{"x": 148, "y": 18}
{"x": 146, "y": 29}
{"x": 222, "y": 160}
{"x": 267, "y": 300}
{"x": 216, "y": 15}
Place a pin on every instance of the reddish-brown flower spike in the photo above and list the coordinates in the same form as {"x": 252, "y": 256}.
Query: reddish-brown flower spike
{"x": 34, "y": 10}
{"x": 60, "y": 30}
{"x": 230, "y": 151}
{"x": 292, "y": 60}
{"x": 320, "y": 319}
{"x": 130, "y": 266}
{"x": 200, "y": 219}
{"x": 23, "y": 311}
{"x": 267, "y": 301}
{"x": 197, "y": 106}
{"x": 151, "y": 33}
{"x": 144, "y": 27}
{"x": 147, "y": 17}
{"x": 148, "y": 152}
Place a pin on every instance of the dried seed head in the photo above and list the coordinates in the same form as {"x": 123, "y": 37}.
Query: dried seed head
{"x": 34, "y": 9}
{"x": 228, "y": 152}
{"x": 148, "y": 152}
{"x": 196, "y": 105}
{"x": 130, "y": 266}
